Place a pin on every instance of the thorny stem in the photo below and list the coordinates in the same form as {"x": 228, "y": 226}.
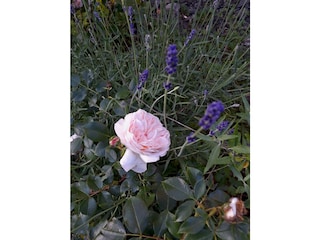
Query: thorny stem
{"x": 99, "y": 191}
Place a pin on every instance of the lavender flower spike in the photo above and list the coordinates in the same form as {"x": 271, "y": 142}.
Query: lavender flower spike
{"x": 167, "y": 85}
{"x": 143, "y": 78}
{"x": 211, "y": 115}
{"x": 191, "y": 35}
{"x": 222, "y": 126}
{"x": 130, "y": 14}
{"x": 171, "y": 59}
{"x": 190, "y": 138}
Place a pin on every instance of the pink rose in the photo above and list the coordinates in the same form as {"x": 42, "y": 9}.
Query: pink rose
{"x": 145, "y": 138}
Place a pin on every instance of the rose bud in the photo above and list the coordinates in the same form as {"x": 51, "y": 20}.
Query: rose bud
{"x": 113, "y": 141}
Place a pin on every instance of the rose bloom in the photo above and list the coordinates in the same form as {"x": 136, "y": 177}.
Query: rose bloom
{"x": 145, "y": 138}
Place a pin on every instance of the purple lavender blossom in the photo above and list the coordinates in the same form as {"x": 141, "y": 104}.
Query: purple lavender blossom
{"x": 130, "y": 14}
{"x": 191, "y": 138}
{"x": 191, "y": 35}
{"x": 222, "y": 126}
{"x": 230, "y": 131}
{"x": 212, "y": 132}
{"x": 171, "y": 59}
{"x": 143, "y": 78}
{"x": 132, "y": 29}
{"x": 168, "y": 85}
{"x": 211, "y": 115}
{"x": 97, "y": 16}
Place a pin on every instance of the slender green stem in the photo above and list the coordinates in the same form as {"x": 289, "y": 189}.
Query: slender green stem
{"x": 165, "y": 101}
{"x": 132, "y": 41}
{"x": 155, "y": 101}
{"x": 164, "y": 108}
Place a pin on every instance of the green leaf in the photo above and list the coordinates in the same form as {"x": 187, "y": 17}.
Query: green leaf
{"x": 104, "y": 104}
{"x": 80, "y": 190}
{"x": 227, "y": 231}
{"x": 184, "y": 210}
{"x": 101, "y": 86}
{"x": 246, "y": 103}
{"x": 205, "y": 137}
{"x": 108, "y": 174}
{"x": 87, "y": 76}
{"x": 100, "y": 149}
{"x": 159, "y": 225}
{"x": 88, "y": 206}
{"x": 241, "y": 149}
{"x": 217, "y": 198}
{"x": 173, "y": 226}
{"x": 129, "y": 184}
{"x": 194, "y": 175}
{"x": 95, "y": 230}
{"x": 76, "y": 145}
{"x": 79, "y": 94}
{"x": 213, "y": 157}
{"x": 114, "y": 230}
{"x": 93, "y": 101}
{"x": 96, "y": 131}
{"x": 105, "y": 200}
{"x": 146, "y": 195}
{"x": 177, "y": 188}
{"x": 204, "y": 234}
{"x": 163, "y": 200}
{"x": 75, "y": 80}
{"x": 111, "y": 155}
{"x": 94, "y": 182}
{"x": 201, "y": 213}
{"x": 223, "y": 160}
{"x": 226, "y": 137}
{"x": 135, "y": 213}
{"x": 119, "y": 111}
{"x": 246, "y": 178}
{"x": 200, "y": 188}
{"x": 192, "y": 225}
{"x": 211, "y": 224}
{"x": 79, "y": 223}
{"x": 122, "y": 93}
{"x": 236, "y": 173}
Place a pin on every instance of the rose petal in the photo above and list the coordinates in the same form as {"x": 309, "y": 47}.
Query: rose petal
{"x": 140, "y": 168}
{"x": 233, "y": 204}
{"x": 132, "y": 161}
{"x": 230, "y": 213}
{"x": 149, "y": 158}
